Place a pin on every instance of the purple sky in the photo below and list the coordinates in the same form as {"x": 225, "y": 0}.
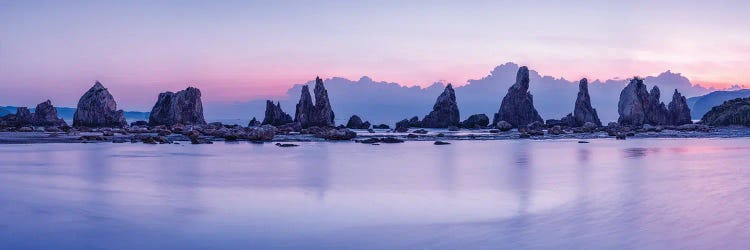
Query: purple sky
{"x": 241, "y": 50}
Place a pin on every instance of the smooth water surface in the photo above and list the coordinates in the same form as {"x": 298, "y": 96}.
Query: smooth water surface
{"x": 643, "y": 193}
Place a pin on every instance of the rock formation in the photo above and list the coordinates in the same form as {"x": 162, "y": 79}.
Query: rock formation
{"x": 184, "y": 107}
{"x": 517, "y": 107}
{"x": 356, "y": 123}
{"x": 97, "y": 108}
{"x": 476, "y": 121}
{"x": 254, "y": 123}
{"x": 679, "y": 112}
{"x": 24, "y": 116}
{"x": 638, "y": 107}
{"x": 319, "y": 114}
{"x": 583, "y": 111}
{"x": 444, "y": 112}
{"x": 732, "y": 112}
{"x": 46, "y": 115}
{"x": 275, "y": 115}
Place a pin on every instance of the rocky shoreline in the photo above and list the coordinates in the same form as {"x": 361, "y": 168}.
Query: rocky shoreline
{"x": 211, "y": 134}
{"x": 178, "y": 117}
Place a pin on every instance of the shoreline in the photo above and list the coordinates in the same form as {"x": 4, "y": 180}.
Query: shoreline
{"x": 430, "y": 135}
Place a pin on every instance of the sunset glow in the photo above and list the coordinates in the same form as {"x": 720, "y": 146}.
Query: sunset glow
{"x": 245, "y": 51}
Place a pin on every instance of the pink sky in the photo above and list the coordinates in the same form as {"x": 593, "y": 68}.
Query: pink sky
{"x": 238, "y": 51}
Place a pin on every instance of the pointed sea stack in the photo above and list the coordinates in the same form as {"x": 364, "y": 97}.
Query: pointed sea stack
{"x": 445, "y": 111}
{"x": 184, "y": 107}
{"x": 275, "y": 115}
{"x": 319, "y": 114}
{"x": 679, "y": 112}
{"x": 583, "y": 111}
{"x": 97, "y": 108}
{"x": 517, "y": 107}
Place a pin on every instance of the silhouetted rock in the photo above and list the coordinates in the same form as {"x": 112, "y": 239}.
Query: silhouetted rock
{"x": 441, "y": 143}
{"x": 638, "y": 107}
{"x": 275, "y": 115}
{"x": 444, "y": 112}
{"x": 24, "y": 116}
{"x": 46, "y": 115}
{"x": 475, "y": 121}
{"x": 262, "y": 133}
{"x": 732, "y": 112}
{"x": 402, "y": 126}
{"x": 339, "y": 134}
{"x": 139, "y": 123}
{"x": 517, "y": 107}
{"x": 97, "y": 108}
{"x": 319, "y": 114}
{"x": 184, "y": 107}
{"x": 254, "y": 123}
{"x": 679, "y": 112}
{"x": 356, "y": 123}
{"x": 381, "y": 126}
{"x": 414, "y": 122}
{"x": 503, "y": 126}
{"x": 583, "y": 111}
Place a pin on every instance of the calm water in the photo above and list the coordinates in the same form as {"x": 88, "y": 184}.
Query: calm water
{"x": 643, "y": 193}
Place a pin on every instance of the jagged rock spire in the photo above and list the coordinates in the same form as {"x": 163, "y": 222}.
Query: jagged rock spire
{"x": 517, "y": 107}
{"x": 184, "y": 107}
{"x": 583, "y": 111}
{"x": 319, "y": 114}
{"x": 97, "y": 108}
{"x": 444, "y": 112}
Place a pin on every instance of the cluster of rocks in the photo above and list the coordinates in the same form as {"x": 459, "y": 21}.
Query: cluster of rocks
{"x": 275, "y": 115}
{"x": 637, "y": 107}
{"x": 319, "y": 114}
{"x": 184, "y": 107}
{"x": 45, "y": 115}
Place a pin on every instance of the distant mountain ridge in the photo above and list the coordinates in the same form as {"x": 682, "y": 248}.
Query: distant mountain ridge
{"x": 388, "y": 102}
{"x": 700, "y": 105}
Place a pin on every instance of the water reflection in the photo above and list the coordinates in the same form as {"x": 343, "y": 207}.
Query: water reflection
{"x": 513, "y": 194}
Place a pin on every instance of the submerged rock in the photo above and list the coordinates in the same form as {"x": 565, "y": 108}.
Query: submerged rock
{"x": 275, "y": 115}
{"x": 319, "y": 114}
{"x": 517, "y": 107}
{"x": 444, "y": 112}
{"x": 184, "y": 107}
{"x": 732, "y": 112}
{"x": 97, "y": 108}
{"x": 503, "y": 126}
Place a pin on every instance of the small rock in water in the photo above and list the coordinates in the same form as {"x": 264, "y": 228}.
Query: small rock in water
{"x": 440, "y": 135}
{"x": 286, "y": 145}
{"x": 412, "y": 136}
{"x": 420, "y": 131}
{"x": 370, "y": 140}
{"x": 391, "y": 140}
{"x": 441, "y": 143}
{"x": 583, "y": 142}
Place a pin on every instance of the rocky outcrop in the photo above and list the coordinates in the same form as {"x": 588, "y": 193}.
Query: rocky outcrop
{"x": 517, "y": 107}
{"x": 254, "y": 123}
{"x": 24, "y": 116}
{"x": 356, "y": 123}
{"x": 184, "y": 107}
{"x": 444, "y": 112}
{"x": 275, "y": 115}
{"x": 476, "y": 121}
{"x": 402, "y": 126}
{"x": 97, "y": 108}
{"x": 732, "y": 112}
{"x": 583, "y": 111}
{"x": 679, "y": 112}
{"x": 46, "y": 115}
{"x": 319, "y": 114}
{"x": 638, "y": 107}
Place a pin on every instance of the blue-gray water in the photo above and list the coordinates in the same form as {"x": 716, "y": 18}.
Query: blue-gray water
{"x": 642, "y": 194}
